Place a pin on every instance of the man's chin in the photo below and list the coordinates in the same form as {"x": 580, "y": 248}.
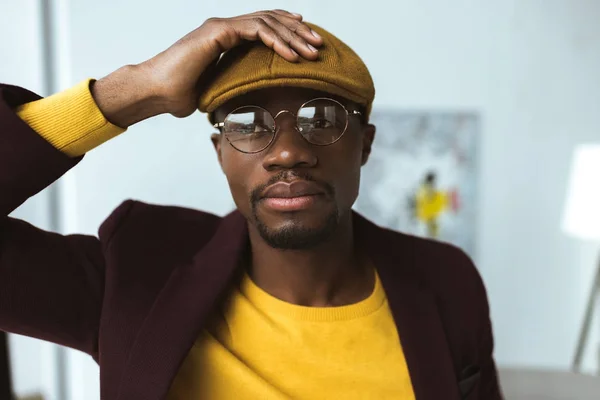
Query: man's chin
{"x": 296, "y": 231}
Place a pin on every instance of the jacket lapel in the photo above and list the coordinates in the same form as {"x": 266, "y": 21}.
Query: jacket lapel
{"x": 414, "y": 309}
{"x": 180, "y": 312}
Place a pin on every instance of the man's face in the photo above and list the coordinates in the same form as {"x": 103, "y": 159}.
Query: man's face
{"x": 294, "y": 193}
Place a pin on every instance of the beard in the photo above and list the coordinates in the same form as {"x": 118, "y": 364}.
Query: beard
{"x": 293, "y": 235}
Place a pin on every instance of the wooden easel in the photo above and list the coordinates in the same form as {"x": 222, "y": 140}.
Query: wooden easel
{"x": 587, "y": 322}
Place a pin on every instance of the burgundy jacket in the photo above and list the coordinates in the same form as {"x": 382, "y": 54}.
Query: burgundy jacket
{"x": 137, "y": 296}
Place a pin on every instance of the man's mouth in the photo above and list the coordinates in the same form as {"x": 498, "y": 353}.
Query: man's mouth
{"x": 295, "y": 195}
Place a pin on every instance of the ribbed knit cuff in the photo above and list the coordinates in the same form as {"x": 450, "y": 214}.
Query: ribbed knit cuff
{"x": 70, "y": 120}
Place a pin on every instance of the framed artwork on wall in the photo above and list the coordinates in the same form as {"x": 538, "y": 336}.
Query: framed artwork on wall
{"x": 421, "y": 178}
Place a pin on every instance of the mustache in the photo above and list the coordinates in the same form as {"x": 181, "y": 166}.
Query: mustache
{"x": 286, "y": 176}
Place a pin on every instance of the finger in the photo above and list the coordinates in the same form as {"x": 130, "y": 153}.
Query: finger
{"x": 294, "y": 41}
{"x": 279, "y": 46}
{"x": 296, "y": 26}
{"x": 284, "y": 13}
{"x": 260, "y": 30}
{"x": 299, "y": 28}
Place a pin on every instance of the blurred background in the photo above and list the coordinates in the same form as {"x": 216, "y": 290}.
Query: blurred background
{"x": 526, "y": 71}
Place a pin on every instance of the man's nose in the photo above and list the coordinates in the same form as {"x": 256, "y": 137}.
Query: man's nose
{"x": 289, "y": 149}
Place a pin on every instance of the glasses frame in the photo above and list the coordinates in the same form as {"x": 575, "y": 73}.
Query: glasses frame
{"x": 221, "y": 125}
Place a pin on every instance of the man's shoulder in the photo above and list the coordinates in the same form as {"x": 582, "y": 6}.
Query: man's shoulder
{"x": 138, "y": 218}
{"x": 443, "y": 267}
{"x": 441, "y": 257}
{"x": 428, "y": 253}
{"x": 449, "y": 274}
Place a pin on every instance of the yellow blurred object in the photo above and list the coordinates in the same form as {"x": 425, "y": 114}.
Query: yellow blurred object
{"x": 430, "y": 203}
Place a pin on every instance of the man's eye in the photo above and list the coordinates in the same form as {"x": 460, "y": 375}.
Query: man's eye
{"x": 321, "y": 124}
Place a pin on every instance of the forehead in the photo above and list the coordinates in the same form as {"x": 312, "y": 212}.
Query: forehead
{"x": 276, "y": 99}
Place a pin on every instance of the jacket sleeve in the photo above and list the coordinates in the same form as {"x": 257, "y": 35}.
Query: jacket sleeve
{"x": 464, "y": 306}
{"x": 474, "y": 334}
{"x": 474, "y": 305}
{"x": 490, "y": 387}
{"x": 51, "y": 286}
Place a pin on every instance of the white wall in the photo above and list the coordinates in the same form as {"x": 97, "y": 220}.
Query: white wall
{"x": 529, "y": 66}
{"x": 32, "y": 361}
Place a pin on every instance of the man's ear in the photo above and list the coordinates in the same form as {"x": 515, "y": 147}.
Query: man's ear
{"x": 368, "y": 137}
{"x": 216, "y": 141}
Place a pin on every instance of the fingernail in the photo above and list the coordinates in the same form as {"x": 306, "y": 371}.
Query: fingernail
{"x": 294, "y": 52}
{"x": 315, "y": 34}
{"x": 297, "y": 15}
{"x": 311, "y": 47}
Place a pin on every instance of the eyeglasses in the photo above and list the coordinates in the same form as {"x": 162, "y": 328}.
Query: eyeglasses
{"x": 251, "y": 129}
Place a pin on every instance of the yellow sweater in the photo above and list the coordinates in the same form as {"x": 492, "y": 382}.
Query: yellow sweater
{"x": 265, "y": 348}
{"x": 259, "y": 347}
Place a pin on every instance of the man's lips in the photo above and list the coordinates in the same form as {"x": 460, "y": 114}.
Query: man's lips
{"x": 292, "y": 196}
{"x": 297, "y": 188}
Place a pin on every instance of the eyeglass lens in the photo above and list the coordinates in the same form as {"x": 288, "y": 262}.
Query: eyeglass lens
{"x": 251, "y": 129}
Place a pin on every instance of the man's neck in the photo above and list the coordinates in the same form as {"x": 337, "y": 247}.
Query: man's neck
{"x": 331, "y": 274}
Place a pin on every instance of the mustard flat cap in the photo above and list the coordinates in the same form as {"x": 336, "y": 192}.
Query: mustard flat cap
{"x": 252, "y": 66}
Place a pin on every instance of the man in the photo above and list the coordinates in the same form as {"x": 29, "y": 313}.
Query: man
{"x": 291, "y": 296}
